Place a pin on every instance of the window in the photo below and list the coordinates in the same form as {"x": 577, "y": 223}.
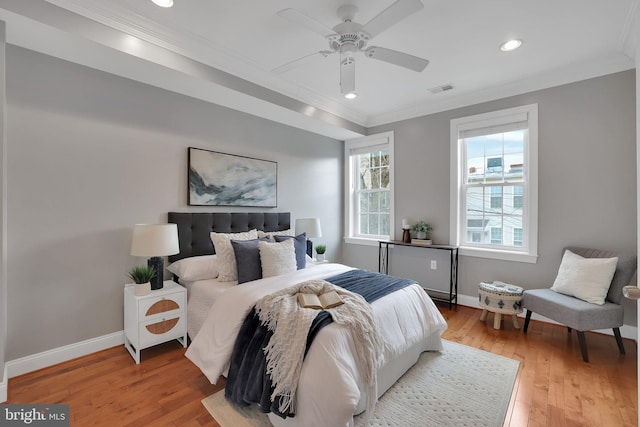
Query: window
{"x": 496, "y": 197}
{"x": 496, "y": 236}
{"x": 517, "y": 237}
{"x": 369, "y": 189}
{"x": 494, "y": 193}
{"x": 517, "y": 197}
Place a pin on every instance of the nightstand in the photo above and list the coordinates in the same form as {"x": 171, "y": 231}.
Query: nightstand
{"x": 155, "y": 318}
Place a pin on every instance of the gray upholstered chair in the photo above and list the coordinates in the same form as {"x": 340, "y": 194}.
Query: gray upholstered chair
{"x": 581, "y": 315}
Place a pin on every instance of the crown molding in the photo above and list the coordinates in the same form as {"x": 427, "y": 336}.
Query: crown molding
{"x": 557, "y": 77}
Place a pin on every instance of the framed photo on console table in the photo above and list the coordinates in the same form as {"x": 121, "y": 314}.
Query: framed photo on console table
{"x": 219, "y": 179}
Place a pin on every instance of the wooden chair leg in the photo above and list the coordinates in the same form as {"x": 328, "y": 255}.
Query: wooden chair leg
{"x": 616, "y": 332}
{"x": 583, "y": 346}
{"x": 496, "y": 320}
{"x": 526, "y": 321}
{"x": 514, "y": 318}
{"x": 483, "y": 316}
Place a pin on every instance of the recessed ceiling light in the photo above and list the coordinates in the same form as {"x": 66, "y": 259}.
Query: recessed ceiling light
{"x": 351, "y": 95}
{"x": 163, "y": 3}
{"x": 510, "y": 45}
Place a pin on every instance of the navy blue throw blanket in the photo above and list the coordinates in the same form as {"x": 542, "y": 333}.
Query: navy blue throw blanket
{"x": 248, "y": 381}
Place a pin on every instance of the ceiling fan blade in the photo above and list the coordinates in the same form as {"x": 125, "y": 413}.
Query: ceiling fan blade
{"x": 300, "y": 61}
{"x": 392, "y": 15}
{"x": 297, "y": 17}
{"x": 397, "y": 58}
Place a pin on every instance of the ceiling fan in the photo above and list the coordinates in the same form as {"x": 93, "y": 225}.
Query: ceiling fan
{"x": 349, "y": 37}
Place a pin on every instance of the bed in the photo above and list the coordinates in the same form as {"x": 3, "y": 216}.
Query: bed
{"x": 330, "y": 390}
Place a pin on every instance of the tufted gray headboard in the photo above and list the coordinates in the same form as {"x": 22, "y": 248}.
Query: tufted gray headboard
{"x": 194, "y": 228}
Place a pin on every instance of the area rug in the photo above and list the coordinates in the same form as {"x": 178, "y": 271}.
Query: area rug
{"x": 460, "y": 386}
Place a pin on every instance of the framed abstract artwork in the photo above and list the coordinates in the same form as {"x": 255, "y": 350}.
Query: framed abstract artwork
{"x": 219, "y": 179}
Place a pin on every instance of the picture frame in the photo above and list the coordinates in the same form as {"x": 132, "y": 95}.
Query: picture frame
{"x": 221, "y": 179}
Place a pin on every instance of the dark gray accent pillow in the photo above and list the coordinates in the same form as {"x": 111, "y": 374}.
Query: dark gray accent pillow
{"x": 300, "y": 245}
{"x": 248, "y": 262}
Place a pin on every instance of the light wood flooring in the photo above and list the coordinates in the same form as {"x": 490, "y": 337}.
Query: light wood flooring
{"x": 554, "y": 386}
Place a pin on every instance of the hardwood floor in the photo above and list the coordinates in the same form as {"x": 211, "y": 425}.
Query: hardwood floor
{"x": 553, "y": 388}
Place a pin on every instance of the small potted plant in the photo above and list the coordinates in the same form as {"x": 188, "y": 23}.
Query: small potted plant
{"x": 141, "y": 276}
{"x": 421, "y": 229}
{"x": 320, "y": 250}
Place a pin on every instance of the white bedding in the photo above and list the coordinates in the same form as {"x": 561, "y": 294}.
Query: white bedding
{"x": 330, "y": 389}
{"x": 201, "y": 295}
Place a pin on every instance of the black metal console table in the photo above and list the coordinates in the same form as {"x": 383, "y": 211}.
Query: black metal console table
{"x": 452, "y": 297}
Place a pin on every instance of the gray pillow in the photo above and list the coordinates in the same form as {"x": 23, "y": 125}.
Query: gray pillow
{"x": 300, "y": 246}
{"x": 248, "y": 262}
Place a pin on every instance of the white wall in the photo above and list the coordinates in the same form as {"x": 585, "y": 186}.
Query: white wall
{"x": 89, "y": 156}
{"x": 587, "y": 184}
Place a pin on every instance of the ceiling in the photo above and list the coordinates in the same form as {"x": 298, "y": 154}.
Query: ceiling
{"x": 229, "y": 48}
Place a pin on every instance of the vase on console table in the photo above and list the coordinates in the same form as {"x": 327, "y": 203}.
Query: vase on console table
{"x": 406, "y": 235}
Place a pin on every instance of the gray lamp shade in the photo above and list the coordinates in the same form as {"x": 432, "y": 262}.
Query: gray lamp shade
{"x": 311, "y": 226}
{"x": 152, "y": 240}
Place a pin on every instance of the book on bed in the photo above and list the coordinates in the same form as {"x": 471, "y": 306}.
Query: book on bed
{"x": 325, "y": 301}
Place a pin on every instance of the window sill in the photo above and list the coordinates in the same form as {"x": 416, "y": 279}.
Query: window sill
{"x": 496, "y": 254}
{"x": 363, "y": 241}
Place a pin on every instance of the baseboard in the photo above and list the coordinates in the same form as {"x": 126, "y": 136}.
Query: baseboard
{"x": 4, "y": 385}
{"x": 62, "y": 354}
{"x": 627, "y": 331}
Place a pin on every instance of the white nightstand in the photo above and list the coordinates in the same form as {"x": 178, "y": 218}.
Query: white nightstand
{"x": 154, "y": 319}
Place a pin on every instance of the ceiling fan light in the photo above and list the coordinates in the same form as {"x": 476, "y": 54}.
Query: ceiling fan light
{"x": 510, "y": 45}
{"x": 351, "y": 95}
{"x": 163, "y": 3}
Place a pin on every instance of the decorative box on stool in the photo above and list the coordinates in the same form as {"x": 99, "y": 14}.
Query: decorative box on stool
{"x": 500, "y": 298}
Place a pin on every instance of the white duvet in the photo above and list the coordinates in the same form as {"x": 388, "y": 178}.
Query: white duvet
{"x": 330, "y": 390}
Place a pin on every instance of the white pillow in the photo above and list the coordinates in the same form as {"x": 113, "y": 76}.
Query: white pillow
{"x": 277, "y": 258}
{"x": 585, "y": 278}
{"x": 195, "y": 268}
{"x": 270, "y": 234}
{"x": 226, "y": 256}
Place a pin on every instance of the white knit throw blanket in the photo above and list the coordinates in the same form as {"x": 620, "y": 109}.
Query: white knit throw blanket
{"x": 281, "y": 313}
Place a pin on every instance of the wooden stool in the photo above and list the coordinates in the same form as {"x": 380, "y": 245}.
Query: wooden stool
{"x": 500, "y": 298}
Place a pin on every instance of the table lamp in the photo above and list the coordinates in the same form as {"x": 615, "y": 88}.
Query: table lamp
{"x": 155, "y": 241}
{"x": 310, "y": 226}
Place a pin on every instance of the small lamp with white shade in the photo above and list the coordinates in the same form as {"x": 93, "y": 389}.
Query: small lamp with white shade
{"x": 155, "y": 241}
{"x": 310, "y": 226}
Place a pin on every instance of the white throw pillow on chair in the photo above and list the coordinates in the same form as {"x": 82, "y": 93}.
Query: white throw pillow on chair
{"x": 586, "y": 278}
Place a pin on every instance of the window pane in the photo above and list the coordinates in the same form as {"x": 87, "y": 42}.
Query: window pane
{"x": 364, "y": 202}
{"x": 374, "y": 227}
{"x": 385, "y": 181}
{"x": 494, "y": 224}
{"x": 493, "y": 145}
{"x": 374, "y": 202}
{"x": 375, "y": 178}
{"x": 385, "y": 205}
{"x": 384, "y": 158}
{"x": 384, "y": 225}
{"x": 364, "y": 224}
{"x": 375, "y": 159}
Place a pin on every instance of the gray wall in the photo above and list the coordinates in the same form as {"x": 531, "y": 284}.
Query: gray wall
{"x": 587, "y": 183}
{"x": 90, "y": 155}
{"x": 3, "y": 205}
